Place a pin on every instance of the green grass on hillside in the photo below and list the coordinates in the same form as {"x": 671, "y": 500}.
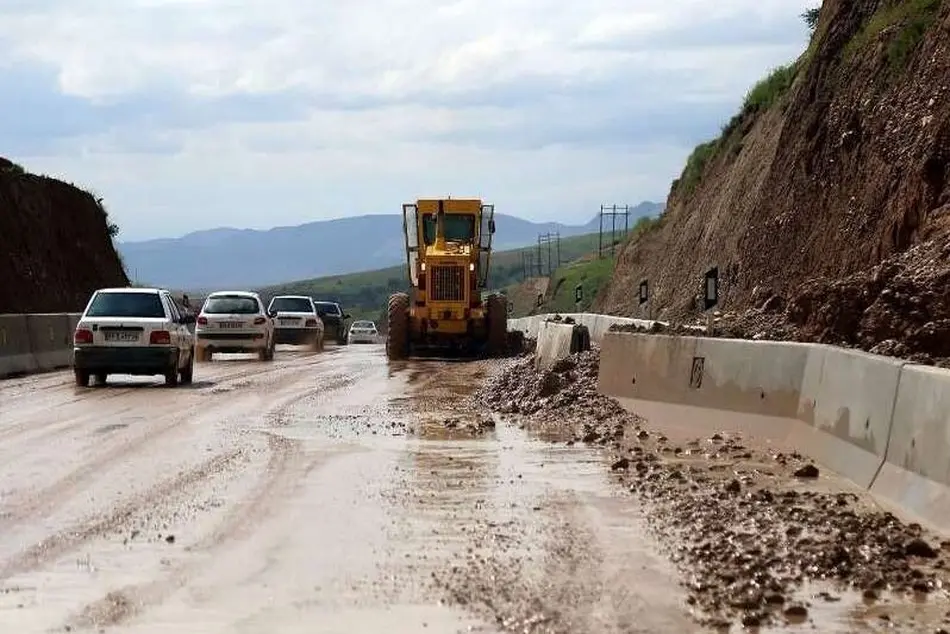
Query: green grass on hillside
{"x": 913, "y": 17}
{"x": 592, "y": 274}
{"x": 763, "y": 95}
{"x": 364, "y": 295}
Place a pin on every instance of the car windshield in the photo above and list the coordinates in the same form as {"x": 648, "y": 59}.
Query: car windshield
{"x": 231, "y": 305}
{"x": 327, "y": 308}
{"x": 363, "y": 324}
{"x": 291, "y": 305}
{"x": 126, "y": 305}
{"x": 458, "y": 228}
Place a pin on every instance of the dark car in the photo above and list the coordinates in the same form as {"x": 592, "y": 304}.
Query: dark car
{"x": 334, "y": 320}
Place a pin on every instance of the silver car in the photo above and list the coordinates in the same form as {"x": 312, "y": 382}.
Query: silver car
{"x": 363, "y": 331}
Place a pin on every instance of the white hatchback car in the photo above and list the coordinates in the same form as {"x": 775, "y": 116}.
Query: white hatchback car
{"x": 138, "y": 331}
{"x": 297, "y": 321}
{"x": 234, "y": 321}
{"x": 363, "y": 331}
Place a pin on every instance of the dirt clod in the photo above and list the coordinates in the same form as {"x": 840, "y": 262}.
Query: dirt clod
{"x": 919, "y": 548}
{"x": 808, "y": 471}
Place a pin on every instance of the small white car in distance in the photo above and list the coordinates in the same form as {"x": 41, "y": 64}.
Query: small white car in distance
{"x": 363, "y": 331}
{"x": 234, "y": 321}
{"x": 297, "y": 321}
{"x": 137, "y": 331}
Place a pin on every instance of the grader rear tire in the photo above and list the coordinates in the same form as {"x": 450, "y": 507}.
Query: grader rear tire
{"x": 497, "y": 325}
{"x": 397, "y": 343}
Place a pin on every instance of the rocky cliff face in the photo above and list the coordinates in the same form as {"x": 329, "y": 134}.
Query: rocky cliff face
{"x": 55, "y": 244}
{"x": 836, "y": 163}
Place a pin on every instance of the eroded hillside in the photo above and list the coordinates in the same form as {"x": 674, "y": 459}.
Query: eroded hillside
{"x": 55, "y": 244}
{"x": 836, "y": 163}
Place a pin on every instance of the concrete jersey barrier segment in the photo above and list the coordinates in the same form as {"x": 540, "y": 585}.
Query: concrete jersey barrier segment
{"x": 50, "y": 340}
{"x": 15, "y": 353}
{"x": 880, "y": 422}
{"x": 36, "y": 343}
{"x": 597, "y": 325}
{"x": 558, "y": 340}
{"x": 916, "y": 472}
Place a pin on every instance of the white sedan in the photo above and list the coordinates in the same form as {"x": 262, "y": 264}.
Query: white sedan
{"x": 363, "y": 331}
{"x": 137, "y": 331}
{"x": 235, "y": 321}
{"x": 297, "y": 321}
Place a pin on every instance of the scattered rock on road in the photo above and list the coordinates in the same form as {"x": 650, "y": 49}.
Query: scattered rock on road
{"x": 737, "y": 520}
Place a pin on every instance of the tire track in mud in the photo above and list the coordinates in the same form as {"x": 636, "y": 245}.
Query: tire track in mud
{"x": 273, "y": 489}
{"x": 32, "y": 505}
{"x": 13, "y": 431}
{"x": 69, "y": 539}
{"x": 247, "y": 370}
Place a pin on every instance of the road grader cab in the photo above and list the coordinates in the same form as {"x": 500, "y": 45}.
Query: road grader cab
{"x": 448, "y": 251}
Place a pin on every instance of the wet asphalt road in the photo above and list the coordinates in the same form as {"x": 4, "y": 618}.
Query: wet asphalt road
{"x": 317, "y": 493}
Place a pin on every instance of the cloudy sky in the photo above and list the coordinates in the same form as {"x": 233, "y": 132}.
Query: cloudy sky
{"x": 192, "y": 114}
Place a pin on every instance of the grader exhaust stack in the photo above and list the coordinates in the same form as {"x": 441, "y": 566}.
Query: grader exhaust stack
{"x": 448, "y": 252}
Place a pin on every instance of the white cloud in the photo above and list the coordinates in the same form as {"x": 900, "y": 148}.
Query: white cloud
{"x": 327, "y": 108}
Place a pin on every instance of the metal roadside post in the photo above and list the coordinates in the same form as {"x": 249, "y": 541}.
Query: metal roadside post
{"x": 711, "y": 295}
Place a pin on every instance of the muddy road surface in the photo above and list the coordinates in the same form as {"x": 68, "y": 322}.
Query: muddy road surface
{"x": 316, "y": 493}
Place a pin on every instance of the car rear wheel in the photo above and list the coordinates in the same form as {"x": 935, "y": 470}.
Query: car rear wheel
{"x": 267, "y": 354}
{"x": 82, "y": 378}
{"x": 171, "y": 376}
{"x": 187, "y": 375}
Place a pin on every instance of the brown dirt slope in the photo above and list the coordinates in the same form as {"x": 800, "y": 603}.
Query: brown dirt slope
{"x": 55, "y": 246}
{"x": 847, "y": 168}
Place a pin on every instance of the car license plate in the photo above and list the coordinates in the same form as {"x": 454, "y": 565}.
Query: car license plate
{"x": 231, "y": 324}
{"x": 288, "y": 322}
{"x": 122, "y": 336}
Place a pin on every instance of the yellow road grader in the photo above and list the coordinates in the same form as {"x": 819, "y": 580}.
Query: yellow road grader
{"x": 448, "y": 251}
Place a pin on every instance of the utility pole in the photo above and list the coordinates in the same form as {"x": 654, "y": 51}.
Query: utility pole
{"x": 550, "y": 241}
{"x": 612, "y": 211}
{"x": 527, "y": 264}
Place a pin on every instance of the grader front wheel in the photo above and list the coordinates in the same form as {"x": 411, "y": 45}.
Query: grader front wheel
{"x": 497, "y": 325}
{"x": 397, "y": 343}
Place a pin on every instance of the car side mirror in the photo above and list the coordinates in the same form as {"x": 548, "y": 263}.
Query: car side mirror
{"x": 272, "y": 314}
{"x": 346, "y": 316}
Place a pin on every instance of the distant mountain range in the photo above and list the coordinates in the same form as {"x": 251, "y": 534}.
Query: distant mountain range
{"x": 248, "y": 258}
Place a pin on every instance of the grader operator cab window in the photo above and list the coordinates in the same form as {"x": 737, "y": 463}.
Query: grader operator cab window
{"x": 458, "y": 228}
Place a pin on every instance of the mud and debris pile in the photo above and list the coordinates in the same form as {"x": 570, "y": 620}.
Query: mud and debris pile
{"x": 558, "y": 398}
{"x": 747, "y": 527}
{"x": 899, "y": 308}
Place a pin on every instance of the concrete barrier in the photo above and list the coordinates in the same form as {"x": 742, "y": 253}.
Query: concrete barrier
{"x": 847, "y": 406}
{"x": 597, "y": 325}
{"x": 879, "y": 422}
{"x": 16, "y": 356}
{"x": 554, "y": 342}
{"x": 50, "y": 340}
{"x": 35, "y": 343}
{"x": 916, "y": 471}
